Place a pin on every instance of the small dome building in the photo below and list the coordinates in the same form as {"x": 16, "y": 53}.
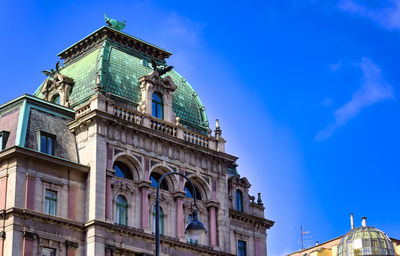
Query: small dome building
{"x": 359, "y": 241}
{"x": 365, "y": 241}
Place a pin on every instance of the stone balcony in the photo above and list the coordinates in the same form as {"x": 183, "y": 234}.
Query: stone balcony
{"x": 105, "y": 104}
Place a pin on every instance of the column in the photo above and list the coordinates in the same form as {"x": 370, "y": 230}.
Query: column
{"x": 27, "y": 247}
{"x": 71, "y": 248}
{"x": 72, "y": 203}
{"x": 213, "y": 225}
{"x": 30, "y": 192}
{"x": 108, "y": 199}
{"x": 3, "y": 193}
{"x": 180, "y": 219}
{"x": 109, "y": 249}
{"x": 145, "y": 208}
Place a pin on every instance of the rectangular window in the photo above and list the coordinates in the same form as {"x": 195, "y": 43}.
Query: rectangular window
{"x": 47, "y": 143}
{"x": 48, "y": 252}
{"x": 50, "y": 202}
{"x": 241, "y": 248}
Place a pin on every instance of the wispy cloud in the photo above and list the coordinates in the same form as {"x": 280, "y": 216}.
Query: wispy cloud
{"x": 335, "y": 66}
{"x": 387, "y": 16}
{"x": 373, "y": 89}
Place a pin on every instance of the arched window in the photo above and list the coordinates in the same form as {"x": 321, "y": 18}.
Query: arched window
{"x": 161, "y": 220}
{"x": 56, "y": 99}
{"x": 121, "y": 216}
{"x": 157, "y": 106}
{"x": 122, "y": 170}
{"x": 189, "y": 191}
{"x": 239, "y": 201}
{"x": 154, "y": 178}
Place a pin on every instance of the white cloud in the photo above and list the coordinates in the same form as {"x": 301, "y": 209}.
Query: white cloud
{"x": 335, "y": 66}
{"x": 373, "y": 89}
{"x": 388, "y": 16}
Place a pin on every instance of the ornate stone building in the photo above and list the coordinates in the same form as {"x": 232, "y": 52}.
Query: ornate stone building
{"x": 80, "y": 160}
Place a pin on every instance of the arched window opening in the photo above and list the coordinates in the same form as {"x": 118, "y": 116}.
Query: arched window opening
{"x": 154, "y": 178}
{"x": 189, "y": 191}
{"x": 121, "y": 216}
{"x": 188, "y": 220}
{"x": 161, "y": 220}
{"x": 239, "y": 200}
{"x": 122, "y": 170}
{"x": 157, "y": 106}
{"x": 56, "y": 99}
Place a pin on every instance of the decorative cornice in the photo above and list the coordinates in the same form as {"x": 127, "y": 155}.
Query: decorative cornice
{"x": 250, "y": 218}
{"x": 118, "y": 38}
{"x": 169, "y": 241}
{"x": 26, "y": 152}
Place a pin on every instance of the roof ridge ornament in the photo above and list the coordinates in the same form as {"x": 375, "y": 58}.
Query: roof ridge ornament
{"x": 115, "y": 24}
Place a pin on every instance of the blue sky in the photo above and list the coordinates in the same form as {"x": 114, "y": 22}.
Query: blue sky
{"x": 306, "y": 93}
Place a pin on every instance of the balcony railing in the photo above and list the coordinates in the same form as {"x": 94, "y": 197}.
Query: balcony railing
{"x": 158, "y": 125}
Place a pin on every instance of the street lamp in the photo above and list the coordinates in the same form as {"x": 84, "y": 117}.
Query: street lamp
{"x": 194, "y": 229}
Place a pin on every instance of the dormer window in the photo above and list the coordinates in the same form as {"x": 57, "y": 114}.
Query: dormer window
{"x": 3, "y": 139}
{"x": 46, "y": 143}
{"x": 145, "y": 62}
{"x": 157, "y": 106}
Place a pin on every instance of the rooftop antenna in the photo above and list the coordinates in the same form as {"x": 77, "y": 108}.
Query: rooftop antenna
{"x": 304, "y": 238}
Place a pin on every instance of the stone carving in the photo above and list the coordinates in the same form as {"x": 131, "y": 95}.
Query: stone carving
{"x": 57, "y": 84}
{"x": 158, "y": 82}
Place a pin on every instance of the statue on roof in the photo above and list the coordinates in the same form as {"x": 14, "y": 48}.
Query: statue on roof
{"x": 52, "y": 72}
{"x": 161, "y": 70}
{"x": 115, "y": 24}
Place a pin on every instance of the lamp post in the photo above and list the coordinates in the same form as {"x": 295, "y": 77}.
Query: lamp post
{"x": 194, "y": 229}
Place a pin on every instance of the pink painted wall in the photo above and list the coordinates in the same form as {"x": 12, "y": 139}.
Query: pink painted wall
{"x": 179, "y": 218}
{"x": 213, "y": 226}
{"x": 145, "y": 208}
{"x": 3, "y": 192}
{"x": 257, "y": 247}
{"x": 1, "y": 246}
{"x": 72, "y": 204}
{"x": 9, "y": 122}
{"x": 108, "y": 198}
{"x": 27, "y": 249}
{"x": 30, "y": 193}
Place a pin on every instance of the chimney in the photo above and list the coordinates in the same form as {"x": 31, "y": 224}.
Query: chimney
{"x": 351, "y": 220}
{"x": 316, "y": 243}
{"x": 364, "y": 221}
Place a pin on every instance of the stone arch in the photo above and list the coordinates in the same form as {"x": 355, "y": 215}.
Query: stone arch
{"x": 134, "y": 165}
{"x": 202, "y": 186}
{"x": 172, "y": 180}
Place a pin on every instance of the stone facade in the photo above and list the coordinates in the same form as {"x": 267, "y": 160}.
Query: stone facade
{"x": 60, "y": 187}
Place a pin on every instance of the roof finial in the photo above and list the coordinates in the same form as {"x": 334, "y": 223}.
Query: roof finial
{"x": 115, "y": 24}
{"x": 364, "y": 221}
{"x": 218, "y": 131}
{"x": 351, "y": 220}
{"x": 259, "y": 201}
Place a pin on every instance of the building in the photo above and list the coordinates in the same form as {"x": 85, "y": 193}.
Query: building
{"x": 80, "y": 160}
{"x": 360, "y": 241}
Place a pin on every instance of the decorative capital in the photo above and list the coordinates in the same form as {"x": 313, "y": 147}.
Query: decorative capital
{"x": 71, "y": 244}
{"x": 30, "y": 235}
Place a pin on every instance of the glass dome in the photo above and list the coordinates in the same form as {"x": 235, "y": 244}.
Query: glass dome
{"x": 365, "y": 241}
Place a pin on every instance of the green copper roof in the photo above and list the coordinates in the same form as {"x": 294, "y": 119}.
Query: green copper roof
{"x": 119, "y": 71}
